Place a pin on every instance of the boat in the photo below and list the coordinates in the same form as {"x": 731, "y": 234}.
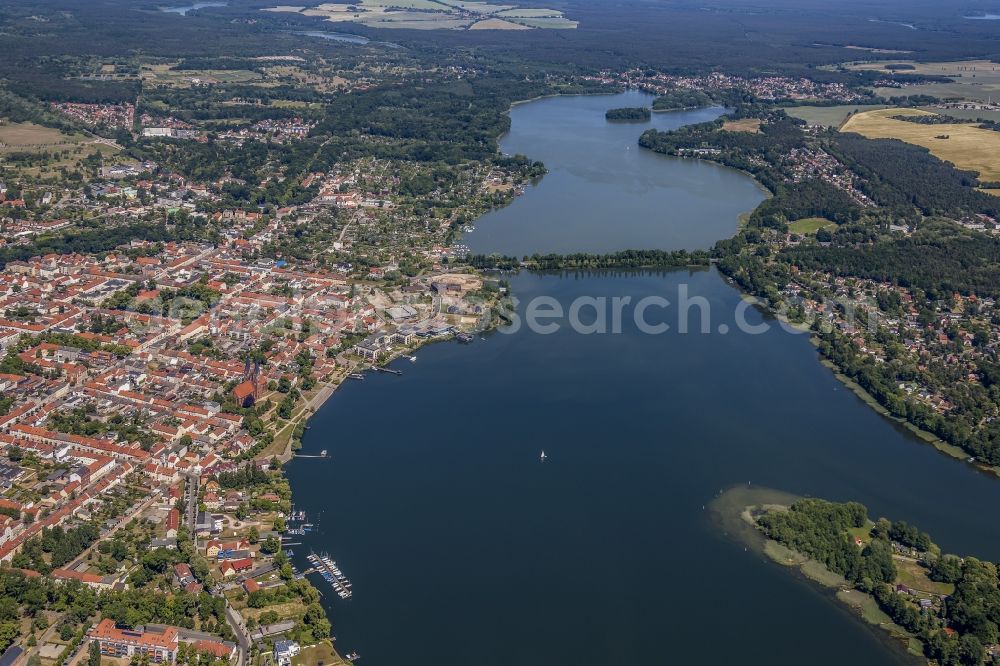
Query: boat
{"x": 356, "y": 375}
{"x": 323, "y": 453}
{"x": 464, "y": 338}
{"x": 353, "y": 656}
{"x": 543, "y": 456}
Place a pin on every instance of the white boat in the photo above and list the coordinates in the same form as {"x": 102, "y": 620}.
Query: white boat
{"x": 543, "y": 456}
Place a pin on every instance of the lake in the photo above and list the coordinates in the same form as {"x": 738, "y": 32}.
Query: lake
{"x": 465, "y": 548}
{"x": 628, "y": 198}
{"x": 334, "y": 36}
{"x": 183, "y": 11}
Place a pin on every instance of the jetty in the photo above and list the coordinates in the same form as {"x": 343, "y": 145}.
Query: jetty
{"x": 327, "y": 568}
{"x": 388, "y": 370}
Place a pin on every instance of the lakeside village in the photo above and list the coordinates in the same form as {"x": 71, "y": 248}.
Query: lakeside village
{"x": 149, "y": 394}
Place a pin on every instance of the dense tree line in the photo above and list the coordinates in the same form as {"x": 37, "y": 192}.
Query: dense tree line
{"x": 90, "y": 240}
{"x": 247, "y": 476}
{"x": 938, "y": 262}
{"x": 758, "y": 153}
{"x": 581, "y": 260}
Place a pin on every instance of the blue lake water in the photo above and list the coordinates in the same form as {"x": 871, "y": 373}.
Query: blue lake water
{"x": 604, "y": 193}
{"x": 464, "y": 548}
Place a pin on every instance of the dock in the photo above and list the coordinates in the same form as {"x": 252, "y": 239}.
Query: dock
{"x": 327, "y": 568}
{"x": 388, "y": 370}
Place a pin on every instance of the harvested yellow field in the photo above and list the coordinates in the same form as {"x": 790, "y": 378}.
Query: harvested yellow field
{"x": 965, "y": 146}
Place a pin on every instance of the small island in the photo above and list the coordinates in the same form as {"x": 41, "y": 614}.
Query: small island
{"x": 629, "y": 113}
{"x": 941, "y": 607}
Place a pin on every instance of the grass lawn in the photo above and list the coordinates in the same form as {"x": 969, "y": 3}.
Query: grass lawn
{"x": 863, "y": 533}
{"x": 751, "y": 125}
{"x": 810, "y": 225}
{"x": 914, "y": 576}
{"x": 322, "y": 654}
{"x": 966, "y": 146}
{"x": 288, "y": 610}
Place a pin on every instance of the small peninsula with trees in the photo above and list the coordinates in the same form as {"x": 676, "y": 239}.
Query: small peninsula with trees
{"x": 942, "y": 607}
{"x": 629, "y": 114}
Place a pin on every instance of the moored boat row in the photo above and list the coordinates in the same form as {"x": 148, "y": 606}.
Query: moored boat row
{"x": 332, "y": 574}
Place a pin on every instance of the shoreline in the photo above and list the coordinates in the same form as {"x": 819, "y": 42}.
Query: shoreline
{"x": 733, "y": 511}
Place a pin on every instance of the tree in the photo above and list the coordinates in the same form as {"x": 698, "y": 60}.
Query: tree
{"x": 94, "y": 654}
{"x": 270, "y": 545}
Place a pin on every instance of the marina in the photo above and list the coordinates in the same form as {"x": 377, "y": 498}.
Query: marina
{"x": 327, "y": 568}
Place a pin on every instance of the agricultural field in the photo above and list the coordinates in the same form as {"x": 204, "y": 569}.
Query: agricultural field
{"x": 965, "y": 114}
{"x": 434, "y": 15}
{"x": 829, "y": 116}
{"x": 977, "y": 80}
{"x": 553, "y": 23}
{"x": 497, "y": 24}
{"x": 165, "y": 75}
{"x": 27, "y": 137}
{"x": 529, "y": 12}
{"x": 964, "y": 145}
{"x": 26, "y": 146}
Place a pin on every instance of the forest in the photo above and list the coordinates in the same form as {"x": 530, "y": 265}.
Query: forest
{"x": 937, "y": 261}
{"x": 631, "y": 113}
{"x": 899, "y": 176}
{"x": 681, "y": 98}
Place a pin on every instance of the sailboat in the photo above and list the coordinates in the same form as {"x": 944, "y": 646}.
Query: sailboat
{"x": 543, "y": 456}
